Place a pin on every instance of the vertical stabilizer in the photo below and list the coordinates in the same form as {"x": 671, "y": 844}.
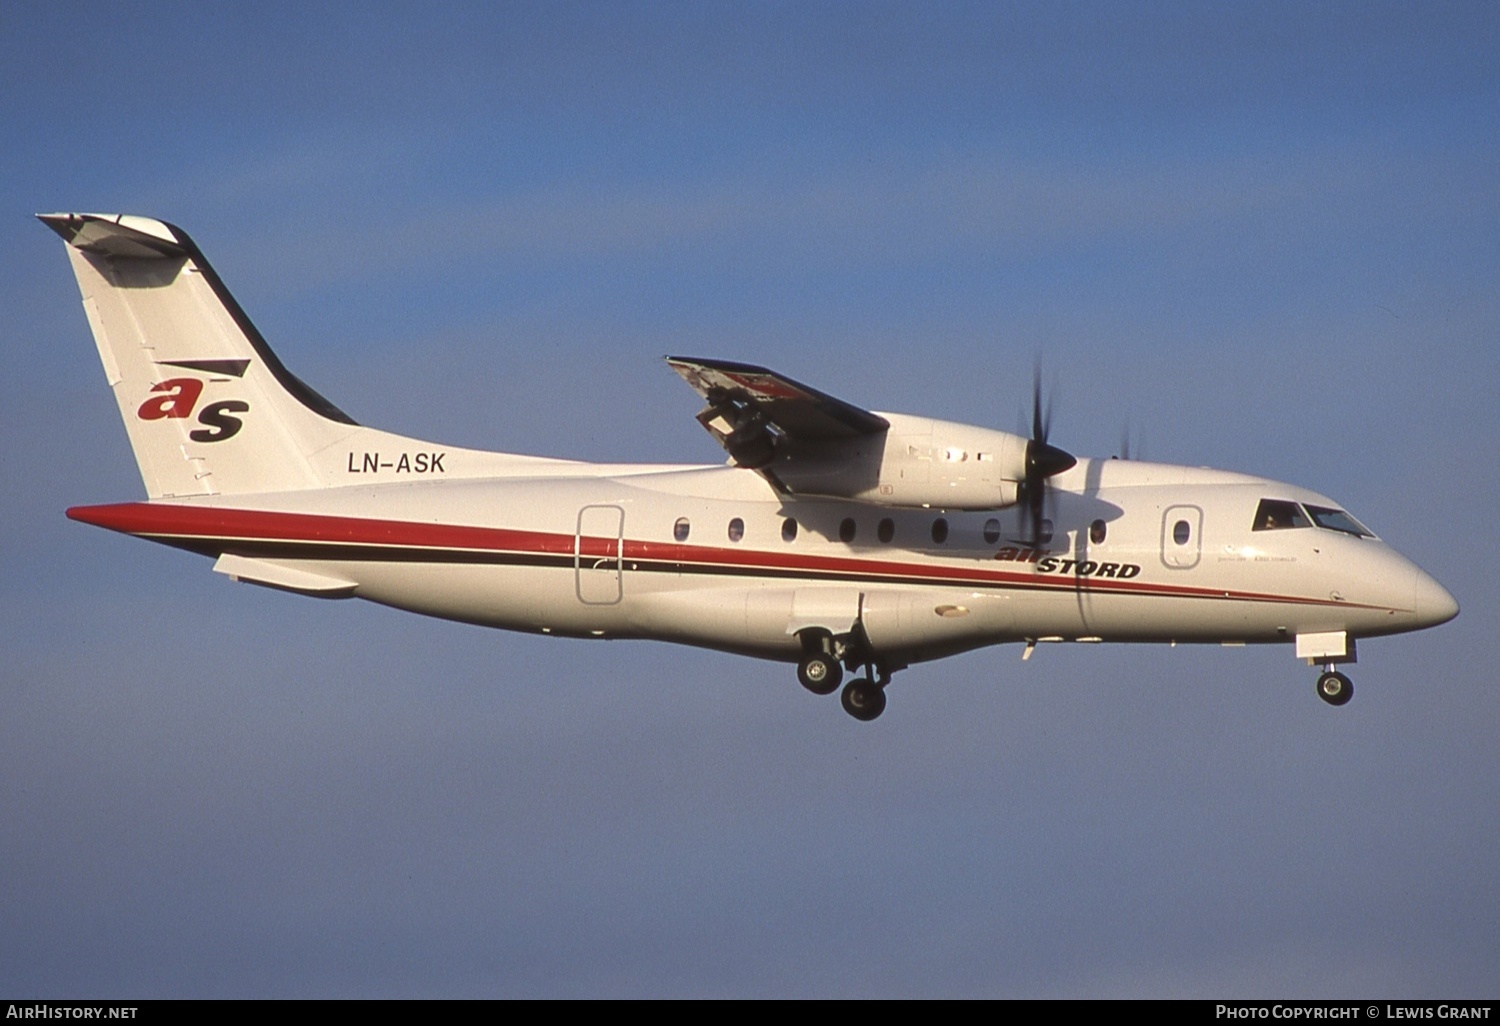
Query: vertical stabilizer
{"x": 208, "y": 407}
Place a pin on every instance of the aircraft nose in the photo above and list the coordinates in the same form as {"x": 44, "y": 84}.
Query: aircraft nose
{"x": 1434, "y": 605}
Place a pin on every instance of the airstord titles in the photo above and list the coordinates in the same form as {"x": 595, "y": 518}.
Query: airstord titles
{"x": 1046, "y": 563}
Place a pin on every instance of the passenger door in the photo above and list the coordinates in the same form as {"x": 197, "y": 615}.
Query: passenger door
{"x": 598, "y": 549}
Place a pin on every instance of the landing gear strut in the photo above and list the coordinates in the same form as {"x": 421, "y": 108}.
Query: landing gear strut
{"x": 864, "y": 697}
{"x": 1334, "y": 688}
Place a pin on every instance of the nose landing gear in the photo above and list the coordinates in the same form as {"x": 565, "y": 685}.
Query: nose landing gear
{"x": 1334, "y": 688}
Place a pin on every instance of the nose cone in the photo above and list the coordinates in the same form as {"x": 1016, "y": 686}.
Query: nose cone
{"x": 1433, "y": 603}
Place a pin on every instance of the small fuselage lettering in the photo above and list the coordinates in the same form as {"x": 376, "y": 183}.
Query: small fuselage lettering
{"x": 397, "y": 463}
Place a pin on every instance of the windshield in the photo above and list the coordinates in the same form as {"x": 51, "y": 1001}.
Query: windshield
{"x": 1338, "y": 520}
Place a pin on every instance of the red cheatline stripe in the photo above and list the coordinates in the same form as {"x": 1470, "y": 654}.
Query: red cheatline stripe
{"x": 163, "y": 520}
{"x": 152, "y": 519}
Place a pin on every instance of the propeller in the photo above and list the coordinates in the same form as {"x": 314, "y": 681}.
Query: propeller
{"x": 1043, "y": 460}
{"x": 1131, "y": 446}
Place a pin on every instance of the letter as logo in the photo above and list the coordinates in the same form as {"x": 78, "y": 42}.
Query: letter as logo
{"x": 181, "y": 396}
{"x": 218, "y": 424}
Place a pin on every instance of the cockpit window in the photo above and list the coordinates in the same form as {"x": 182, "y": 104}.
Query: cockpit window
{"x": 1278, "y": 515}
{"x": 1338, "y": 520}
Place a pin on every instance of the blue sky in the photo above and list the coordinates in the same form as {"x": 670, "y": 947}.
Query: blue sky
{"x": 1263, "y": 237}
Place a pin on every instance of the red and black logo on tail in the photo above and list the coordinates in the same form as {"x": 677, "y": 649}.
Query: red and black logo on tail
{"x": 176, "y": 398}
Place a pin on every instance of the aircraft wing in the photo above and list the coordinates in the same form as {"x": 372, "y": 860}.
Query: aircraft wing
{"x": 757, "y": 414}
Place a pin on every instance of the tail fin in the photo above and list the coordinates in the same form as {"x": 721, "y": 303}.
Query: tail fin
{"x": 208, "y": 407}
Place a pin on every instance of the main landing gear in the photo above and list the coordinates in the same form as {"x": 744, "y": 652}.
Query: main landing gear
{"x": 863, "y": 698}
{"x": 819, "y": 672}
{"x": 1334, "y": 688}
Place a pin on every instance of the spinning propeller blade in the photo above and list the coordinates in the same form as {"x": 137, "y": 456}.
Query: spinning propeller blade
{"x": 1043, "y": 460}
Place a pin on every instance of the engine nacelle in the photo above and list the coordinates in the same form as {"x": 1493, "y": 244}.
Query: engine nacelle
{"x": 918, "y": 462}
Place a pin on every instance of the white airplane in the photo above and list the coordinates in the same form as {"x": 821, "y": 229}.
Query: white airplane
{"x": 835, "y": 537}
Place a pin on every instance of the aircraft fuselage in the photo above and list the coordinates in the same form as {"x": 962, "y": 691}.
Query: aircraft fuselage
{"x": 707, "y": 556}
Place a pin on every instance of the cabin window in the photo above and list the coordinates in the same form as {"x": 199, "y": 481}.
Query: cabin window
{"x": 1044, "y": 532}
{"x": 886, "y": 529}
{"x": 1279, "y": 515}
{"x": 736, "y": 529}
{"x": 1181, "y": 532}
{"x": 788, "y": 530}
{"x": 1098, "y": 529}
{"x": 991, "y": 531}
{"x": 940, "y": 530}
{"x": 846, "y": 530}
{"x": 680, "y": 529}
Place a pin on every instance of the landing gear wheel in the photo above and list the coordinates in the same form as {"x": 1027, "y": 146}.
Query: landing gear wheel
{"x": 820, "y": 673}
{"x": 863, "y": 699}
{"x": 1334, "y": 688}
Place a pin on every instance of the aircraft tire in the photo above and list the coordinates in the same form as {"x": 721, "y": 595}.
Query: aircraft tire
{"x": 863, "y": 699}
{"x": 820, "y": 673}
{"x": 1334, "y": 688}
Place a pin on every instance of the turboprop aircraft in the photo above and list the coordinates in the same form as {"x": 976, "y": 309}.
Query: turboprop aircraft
{"x": 835, "y": 537}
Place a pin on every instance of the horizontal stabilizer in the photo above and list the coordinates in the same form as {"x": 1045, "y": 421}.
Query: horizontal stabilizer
{"x": 116, "y": 235}
{"x": 286, "y": 578}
